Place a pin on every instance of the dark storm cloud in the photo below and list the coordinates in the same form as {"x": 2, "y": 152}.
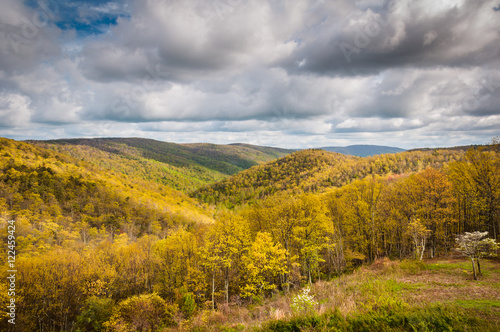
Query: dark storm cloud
{"x": 207, "y": 55}
{"x": 187, "y": 38}
{"x": 366, "y": 42}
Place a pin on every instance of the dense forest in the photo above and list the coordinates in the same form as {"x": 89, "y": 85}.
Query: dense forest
{"x": 135, "y": 235}
{"x": 184, "y": 167}
{"x": 317, "y": 171}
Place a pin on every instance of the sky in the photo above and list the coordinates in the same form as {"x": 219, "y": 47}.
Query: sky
{"x": 285, "y": 73}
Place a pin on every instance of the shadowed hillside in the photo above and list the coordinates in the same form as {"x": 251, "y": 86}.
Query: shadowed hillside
{"x": 181, "y": 166}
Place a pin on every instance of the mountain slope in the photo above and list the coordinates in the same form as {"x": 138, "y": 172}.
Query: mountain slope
{"x": 46, "y": 187}
{"x": 315, "y": 171}
{"x": 363, "y": 150}
{"x": 291, "y": 172}
{"x": 183, "y": 167}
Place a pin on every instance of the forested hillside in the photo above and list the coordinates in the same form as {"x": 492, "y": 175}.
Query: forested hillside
{"x": 57, "y": 191}
{"x": 183, "y": 167}
{"x": 318, "y": 170}
{"x": 103, "y": 244}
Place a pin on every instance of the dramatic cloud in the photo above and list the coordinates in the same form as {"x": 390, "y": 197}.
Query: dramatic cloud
{"x": 299, "y": 73}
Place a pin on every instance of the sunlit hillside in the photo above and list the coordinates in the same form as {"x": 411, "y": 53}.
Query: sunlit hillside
{"x": 318, "y": 170}
{"x": 107, "y": 238}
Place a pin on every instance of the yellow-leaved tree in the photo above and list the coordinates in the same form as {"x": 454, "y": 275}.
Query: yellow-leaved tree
{"x": 226, "y": 243}
{"x": 419, "y": 234}
{"x": 264, "y": 262}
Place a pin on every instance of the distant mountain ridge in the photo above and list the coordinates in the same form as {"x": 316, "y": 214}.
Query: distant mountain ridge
{"x": 183, "y": 167}
{"x": 363, "y": 150}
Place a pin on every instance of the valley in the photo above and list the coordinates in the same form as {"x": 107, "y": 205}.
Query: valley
{"x": 130, "y": 234}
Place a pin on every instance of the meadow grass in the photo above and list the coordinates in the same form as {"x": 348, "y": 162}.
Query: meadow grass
{"x": 437, "y": 295}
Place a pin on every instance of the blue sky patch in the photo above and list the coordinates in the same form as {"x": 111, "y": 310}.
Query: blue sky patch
{"x": 90, "y": 17}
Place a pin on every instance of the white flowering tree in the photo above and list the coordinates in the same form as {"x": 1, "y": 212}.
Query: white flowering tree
{"x": 475, "y": 246}
{"x": 303, "y": 302}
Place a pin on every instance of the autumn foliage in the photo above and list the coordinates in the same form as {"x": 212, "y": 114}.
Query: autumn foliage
{"x": 103, "y": 249}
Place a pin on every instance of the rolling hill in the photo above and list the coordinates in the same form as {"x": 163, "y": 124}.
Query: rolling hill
{"x": 316, "y": 170}
{"x": 183, "y": 167}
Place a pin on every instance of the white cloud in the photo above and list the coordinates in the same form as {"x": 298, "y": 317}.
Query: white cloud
{"x": 14, "y": 110}
{"x": 258, "y": 71}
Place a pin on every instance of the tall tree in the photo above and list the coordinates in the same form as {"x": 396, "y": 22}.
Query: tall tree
{"x": 433, "y": 202}
{"x": 264, "y": 261}
{"x": 310, "y": 232}
{"x": 226, "y": 243}
{"x": 477, "y": 183}
{"x": 280, "y": 216}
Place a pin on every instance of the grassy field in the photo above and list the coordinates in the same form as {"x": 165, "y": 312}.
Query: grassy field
{"x": 437, "y": 295}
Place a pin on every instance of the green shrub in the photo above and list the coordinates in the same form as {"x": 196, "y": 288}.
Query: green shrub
{"x": 147, "y": 312}
{"x": 235, "y": 328}
{"x": 391, "y": 316}
{"x": 95, "y": 313}
{"x": 296, "y": 324}
{"x": 188, "y": 305}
